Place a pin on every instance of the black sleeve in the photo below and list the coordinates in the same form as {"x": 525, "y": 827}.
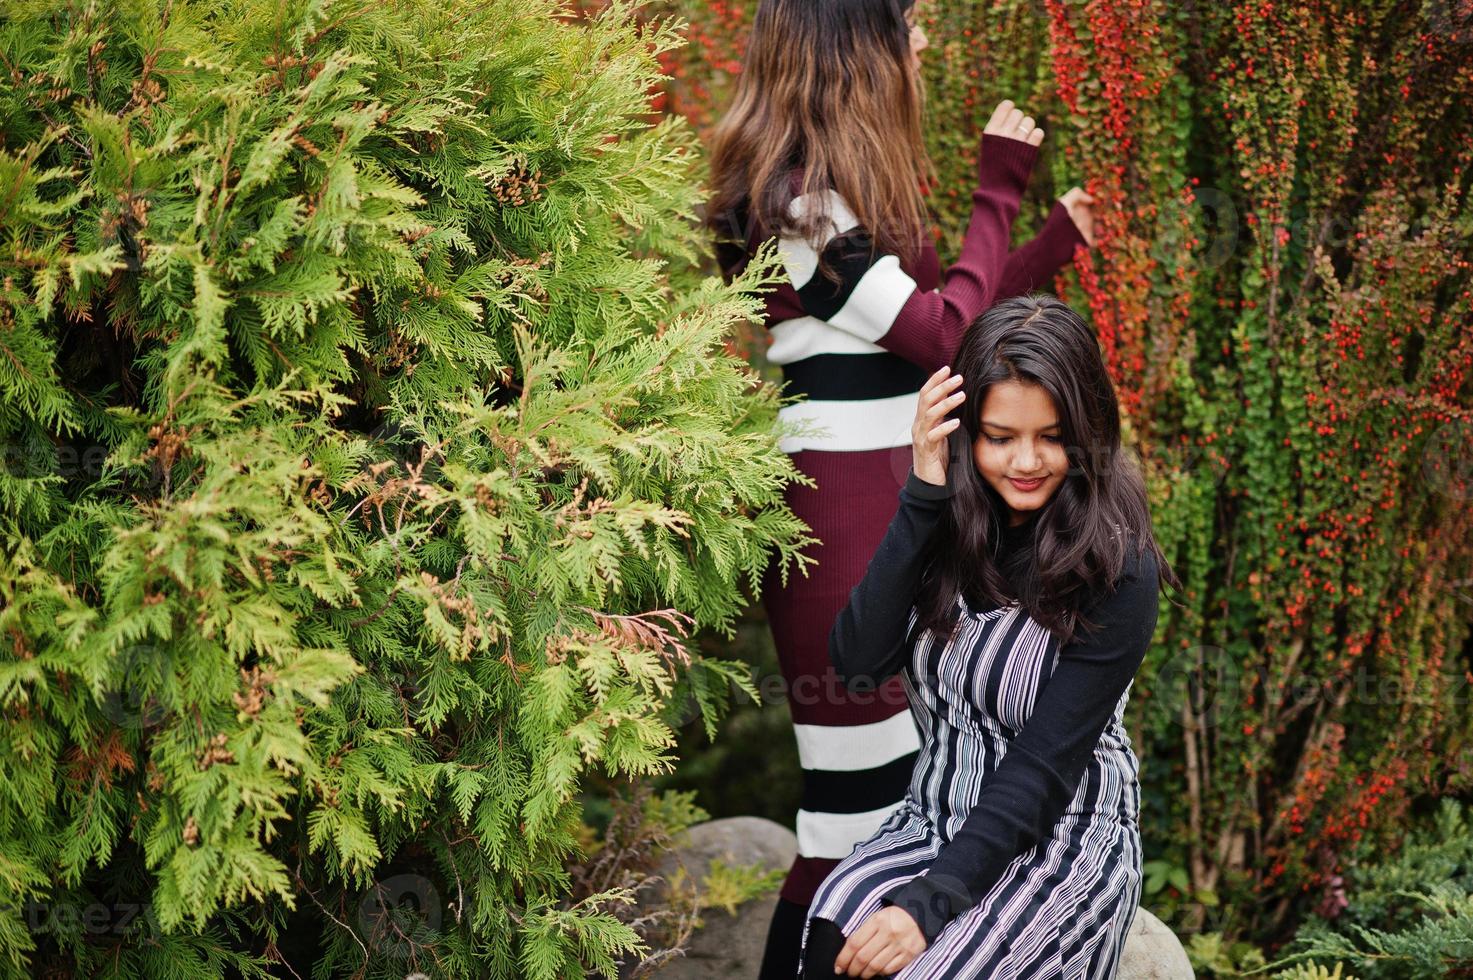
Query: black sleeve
{"x": 867, "y": 641}
{"x": 1019, "y": 802}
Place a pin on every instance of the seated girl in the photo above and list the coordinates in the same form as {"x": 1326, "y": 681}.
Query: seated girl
{"x": 1016, "y": 592}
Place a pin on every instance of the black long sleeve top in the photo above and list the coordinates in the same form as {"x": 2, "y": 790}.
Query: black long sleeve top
{"x": 1021, "y": 800}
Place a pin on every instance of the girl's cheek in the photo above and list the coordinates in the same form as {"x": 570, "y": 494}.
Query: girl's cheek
{"x": 985, "y": 460}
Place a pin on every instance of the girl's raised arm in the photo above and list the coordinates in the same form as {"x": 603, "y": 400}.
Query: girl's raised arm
{"x": 1034, "y": 264}
{"x": 867, "y": 641}
{"x": 875, "y": 302}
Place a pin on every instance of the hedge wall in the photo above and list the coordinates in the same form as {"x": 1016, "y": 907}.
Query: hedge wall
{"x": 1282, "y": 290}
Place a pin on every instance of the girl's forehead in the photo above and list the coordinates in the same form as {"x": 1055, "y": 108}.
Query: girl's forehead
{"x": 1017, "y": 399}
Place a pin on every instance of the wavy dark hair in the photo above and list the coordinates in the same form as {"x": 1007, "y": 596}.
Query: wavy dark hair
{"x": 826, "y": 86}
{"x": 1075, "y": 555}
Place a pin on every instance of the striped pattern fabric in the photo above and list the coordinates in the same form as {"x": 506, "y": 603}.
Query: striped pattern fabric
{"x": 857, "y": 750}
{"x": 1062, "y": 908}
{"x": 858, "y": 396}
{"x": 857, "y": 352}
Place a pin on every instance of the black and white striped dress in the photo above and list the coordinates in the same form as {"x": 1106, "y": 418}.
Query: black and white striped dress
{"x": 1017, "y": 847}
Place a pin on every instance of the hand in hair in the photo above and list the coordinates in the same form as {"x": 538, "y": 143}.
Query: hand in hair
{"x": 1008, "y": 120}
{"x": 929, "y": 435}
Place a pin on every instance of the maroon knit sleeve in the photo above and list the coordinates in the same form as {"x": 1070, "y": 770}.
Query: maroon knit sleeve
{"x": 929, "y": 328}
{"x": 1033, "y": 265}
{"x": 877, "y": 301}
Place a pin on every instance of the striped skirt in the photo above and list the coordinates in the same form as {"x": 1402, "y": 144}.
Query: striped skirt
{"x": 1062, "y": 909}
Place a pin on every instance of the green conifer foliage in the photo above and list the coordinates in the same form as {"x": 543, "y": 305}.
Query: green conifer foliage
{"x": 370, "y": 448}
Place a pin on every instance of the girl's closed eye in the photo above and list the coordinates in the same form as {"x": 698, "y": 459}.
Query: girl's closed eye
{"x": 999, "y": 440}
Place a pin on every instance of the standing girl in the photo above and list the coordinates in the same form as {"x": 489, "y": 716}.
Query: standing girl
{"x": 822, "y": 149}
{"x": 1016, "y": 591}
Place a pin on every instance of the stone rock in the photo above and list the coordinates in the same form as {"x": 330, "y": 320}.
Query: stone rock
{"x": 728, "y": 946}
{"x": 1152, "y": 952}
{"x": 736, "y": 841}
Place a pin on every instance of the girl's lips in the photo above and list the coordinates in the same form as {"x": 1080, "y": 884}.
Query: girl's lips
{"x": 1026, "y": 485}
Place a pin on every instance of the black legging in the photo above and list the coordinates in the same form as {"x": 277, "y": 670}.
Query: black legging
{"x": 785, "y": 936}
{"x": 784, "y": 940}
{"x": 824, "y": 943}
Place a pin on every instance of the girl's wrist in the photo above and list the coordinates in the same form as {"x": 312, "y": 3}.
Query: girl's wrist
{"x": 1004, "y": 159}
{"x": 918, "y": 486}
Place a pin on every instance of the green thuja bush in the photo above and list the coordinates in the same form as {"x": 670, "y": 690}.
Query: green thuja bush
{"x": 1314, "y": 972}
{"x": 370, "y": 452}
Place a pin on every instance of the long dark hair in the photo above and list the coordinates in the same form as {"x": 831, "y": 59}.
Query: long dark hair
{"x": 826, "y": 86}
{"x": 1077, "y": 549}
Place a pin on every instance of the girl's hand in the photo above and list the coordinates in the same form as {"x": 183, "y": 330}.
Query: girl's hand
{"x": 1008, "y": 120}
{"x": 884, "y": 943}
{"x": 1078, "y": 202}
{"x": 929, "y": 440}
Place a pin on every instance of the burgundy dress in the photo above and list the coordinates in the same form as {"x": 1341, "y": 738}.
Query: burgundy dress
{"x": 859, "y": 352}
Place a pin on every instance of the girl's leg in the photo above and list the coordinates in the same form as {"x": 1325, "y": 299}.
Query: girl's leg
{"x": 875, "y": 737}
{"x": 784, "y": 939}
{"x": 824, "y": 943}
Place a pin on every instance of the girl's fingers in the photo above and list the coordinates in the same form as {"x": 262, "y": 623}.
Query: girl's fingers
{"x": 938, "y": 376}
{"x": 943, "y": 430}
{"x": 934, "y": 392}
{"x": 947, "y": 391}
{"x": 841, "y": 962}
{"x": 933, "y": 389}
{"x": 853, "y": 944}
{"x": 864, "y": 959}
{"x": 945, "y": 405}
{"x": 881, "y": 956}
{"x": 896, "y": 963}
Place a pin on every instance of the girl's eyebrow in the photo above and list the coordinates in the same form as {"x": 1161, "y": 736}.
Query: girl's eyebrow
{"x": 1004, "y": 428}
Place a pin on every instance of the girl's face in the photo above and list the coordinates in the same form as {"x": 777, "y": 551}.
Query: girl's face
{"x": 1020, "y": 450}
{"x": 918, "y": 41}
